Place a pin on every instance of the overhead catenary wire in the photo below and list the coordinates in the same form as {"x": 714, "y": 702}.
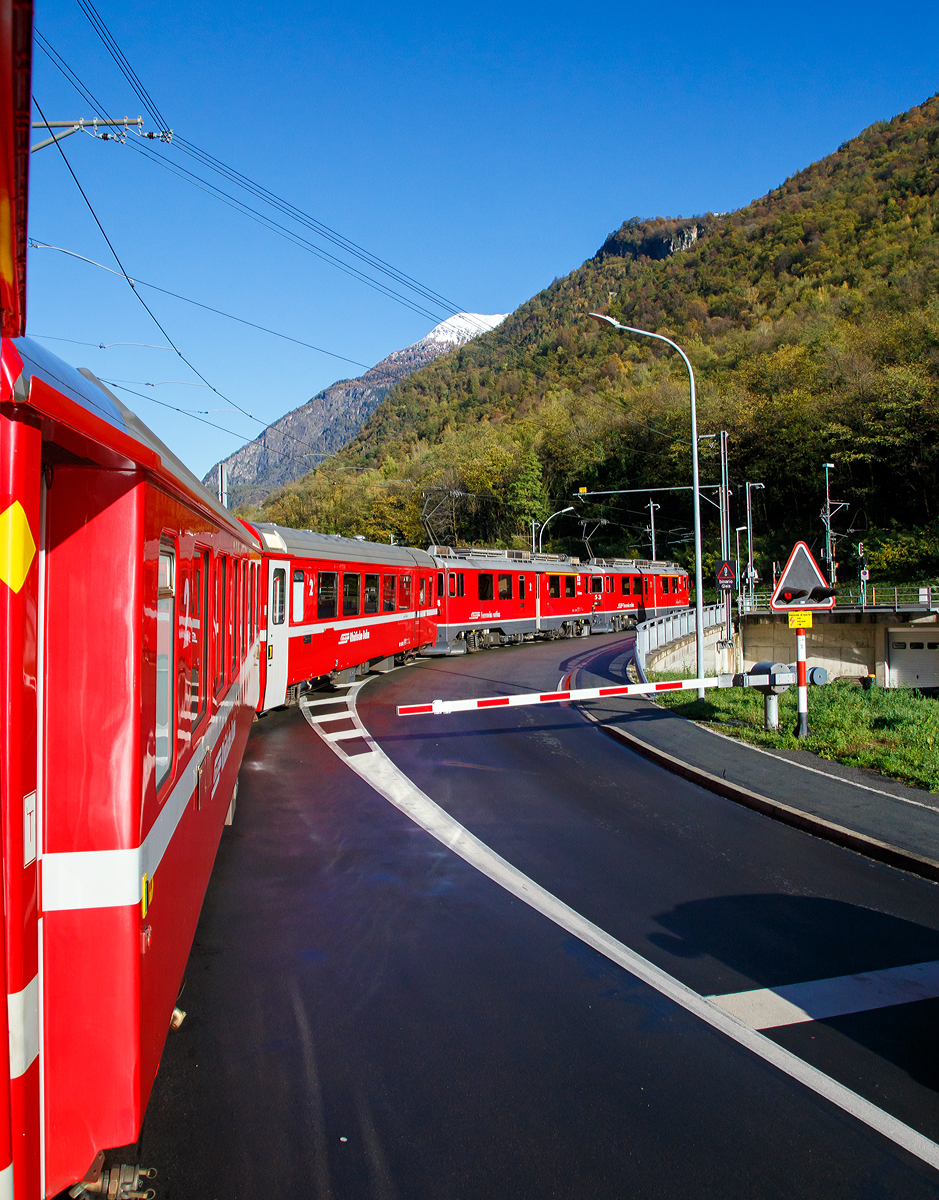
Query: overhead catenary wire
{"x": 40, "y": 245}
{"x": 265, "y": 425}
{"x": 258, "y": 190}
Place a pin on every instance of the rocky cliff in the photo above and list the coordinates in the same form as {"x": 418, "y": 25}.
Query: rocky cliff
{"x": 301, "y": 439}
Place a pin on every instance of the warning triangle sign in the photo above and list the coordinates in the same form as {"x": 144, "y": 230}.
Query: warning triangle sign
{"x": 802, "y": 585}
{"x": 726, "y": 573}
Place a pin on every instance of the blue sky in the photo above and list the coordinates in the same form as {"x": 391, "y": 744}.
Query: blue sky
{"x": 481, "y": 149}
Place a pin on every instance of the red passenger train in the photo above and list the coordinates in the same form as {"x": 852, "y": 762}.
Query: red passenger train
{"x": 141, "y": 629}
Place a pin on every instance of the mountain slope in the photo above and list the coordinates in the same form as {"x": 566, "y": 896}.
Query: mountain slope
{"x": 812, "y": 321}
{"x": 298, "y": 441}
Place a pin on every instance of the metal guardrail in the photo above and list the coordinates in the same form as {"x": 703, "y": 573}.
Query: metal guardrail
{"x": 650, "y": 635}
{"x": 879, "y": 596}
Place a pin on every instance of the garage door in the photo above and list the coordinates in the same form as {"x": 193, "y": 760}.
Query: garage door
{"x": 914, "y": 658}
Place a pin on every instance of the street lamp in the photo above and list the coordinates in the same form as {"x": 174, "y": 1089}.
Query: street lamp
{"x": 652, "y": 508}
{"x": 739, "y": 530}
{"x": 750, "y": 487}
{"x": 695, "y": 487}
{"x": 570, "y": 508}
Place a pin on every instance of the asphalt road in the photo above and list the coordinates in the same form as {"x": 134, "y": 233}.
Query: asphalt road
{"x": 370, "y": 1016}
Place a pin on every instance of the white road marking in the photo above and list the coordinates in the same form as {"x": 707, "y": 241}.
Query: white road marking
{"x": 380, "y": 773}
{"x": 768, "y": 1008}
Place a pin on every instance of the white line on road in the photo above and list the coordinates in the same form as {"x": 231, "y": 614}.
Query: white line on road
{"x": 380, "y": 773}
{"x": 767, "y": 1008}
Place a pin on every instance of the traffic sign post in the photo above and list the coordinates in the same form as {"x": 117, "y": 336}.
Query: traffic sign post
{"x": 802, "y": 589}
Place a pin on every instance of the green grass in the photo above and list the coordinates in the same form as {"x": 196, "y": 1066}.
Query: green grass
{"x": 895, "y": 732}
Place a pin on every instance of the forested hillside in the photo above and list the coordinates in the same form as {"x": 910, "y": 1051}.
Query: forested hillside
{"x": 811, "y": 317}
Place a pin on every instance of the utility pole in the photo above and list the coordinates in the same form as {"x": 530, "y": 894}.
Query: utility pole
{"x": 725, "y": 533}
{"x": 827, "y": 513}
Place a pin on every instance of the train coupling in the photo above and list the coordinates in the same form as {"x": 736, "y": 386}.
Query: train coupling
{"x": 120, "y": 1182}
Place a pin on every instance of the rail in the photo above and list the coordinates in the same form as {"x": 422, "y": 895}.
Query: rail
{"x": 650, "y": 635}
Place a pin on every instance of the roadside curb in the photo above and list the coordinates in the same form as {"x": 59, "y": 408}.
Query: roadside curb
{"x": 884, "y": 852}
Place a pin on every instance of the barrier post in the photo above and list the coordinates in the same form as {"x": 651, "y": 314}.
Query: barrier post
{"x": 802, "y": 731}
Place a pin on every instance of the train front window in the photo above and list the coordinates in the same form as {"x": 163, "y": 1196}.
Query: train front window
{"x": 505, "y": 587}
{"x": 327, "y": 595}
{"x": 298, "y": 596}
{"x": 485, "y": 586}
{"x": 388, "y": 593}
{"x": 370, "y": 594}
{"x": 165, "y": 640}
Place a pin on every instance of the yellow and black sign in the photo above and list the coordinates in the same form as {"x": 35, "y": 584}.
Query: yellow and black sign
{"x": 800, "y": 620}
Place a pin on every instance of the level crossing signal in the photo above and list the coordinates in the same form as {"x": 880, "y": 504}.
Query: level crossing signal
{"x": 802, "y": 586}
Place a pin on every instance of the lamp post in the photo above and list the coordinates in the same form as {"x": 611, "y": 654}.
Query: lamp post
{"x": 739, "y": 530}
{"x": 750, "y": 487}
{"x": 570, "y": 508}
{"x": 696, "y": 491}
{"x": 652, "y": 508}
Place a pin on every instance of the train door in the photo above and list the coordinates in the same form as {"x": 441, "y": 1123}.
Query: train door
{"x": 538, "y": 579}
{"x": 278, "y": 633}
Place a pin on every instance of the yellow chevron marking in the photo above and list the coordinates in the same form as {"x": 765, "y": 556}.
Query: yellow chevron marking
{"x": 17, "y": 548}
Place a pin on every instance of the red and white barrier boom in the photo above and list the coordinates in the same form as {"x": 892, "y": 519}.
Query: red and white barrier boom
{"x": 630, "y": 689}
{"x": 778, "y": 678}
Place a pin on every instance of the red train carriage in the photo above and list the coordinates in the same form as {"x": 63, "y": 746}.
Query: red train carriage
{"x": 336, "y": 603}
{"x": 131, "y": 677}
{"x": 494, "y": 596}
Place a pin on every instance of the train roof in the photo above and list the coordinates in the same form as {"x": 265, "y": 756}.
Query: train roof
{"x": 87, "y": 419}
{"x": 304, "y": 543}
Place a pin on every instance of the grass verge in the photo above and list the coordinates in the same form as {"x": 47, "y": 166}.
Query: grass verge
{"x": 895, "y": 732}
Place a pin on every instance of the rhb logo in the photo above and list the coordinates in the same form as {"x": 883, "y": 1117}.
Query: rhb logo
{"x": 354, "y": 635}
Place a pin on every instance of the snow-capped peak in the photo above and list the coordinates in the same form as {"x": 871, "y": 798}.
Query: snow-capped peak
{"x": 461, "y": 328}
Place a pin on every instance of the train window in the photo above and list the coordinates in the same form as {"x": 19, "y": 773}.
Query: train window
{"x": 505, "y": 587}
{"x": 350, "y": 594}
{"x": 932, "y": 645}
{"x": 570, "y": 585}
{"x": 327, "y": 594}
{"x": 298, "y": 596}
{"x": 252, "y": 628}
{"x": 624, "y": 584}
{"x": 234, "y": 618}
{"x": 484, "y": 581}
{"x": 596, "y": 583}
{"x": 388, "y": 594}
{"x": 645, "y": 580}
{"x": 665, "y": 584}
{"x": 422, "y": 592}
{"x": 898, "y": 645}
{"x": 198, "y": 634}
{"x": 521, "y": 588}
{"x": 917, "y": 646}
{"x": 165, "y": 674}
{"x": 218, "y": 625}
{"x": 244, "y": 611}
{"x": 460, "y": 583}
{"x": 370, "y": 595}
{"x": 405, "y": 601}
{"x": 440, "y": 585}
{"x": 453, "y": 584}
{"x": 279, "y": 612}
{"x": 608, "y": 586}
{"x": 554, "y": 587}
